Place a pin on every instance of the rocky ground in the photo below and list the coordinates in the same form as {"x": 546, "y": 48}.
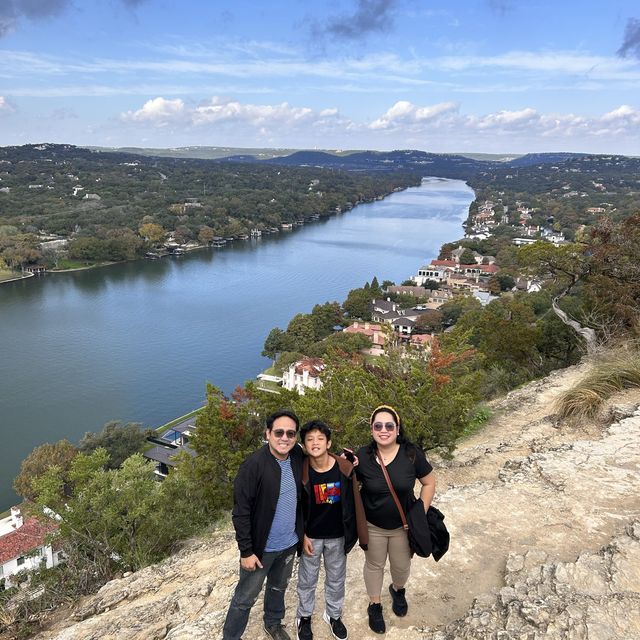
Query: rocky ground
{"x": 545, "y": 526}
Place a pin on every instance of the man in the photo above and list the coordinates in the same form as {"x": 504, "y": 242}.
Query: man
{"x": 333, "y": 518}
{"x": 267, "y": 518}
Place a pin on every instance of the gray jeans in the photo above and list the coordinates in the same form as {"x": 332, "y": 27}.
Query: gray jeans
{"x": 335, "y": 568}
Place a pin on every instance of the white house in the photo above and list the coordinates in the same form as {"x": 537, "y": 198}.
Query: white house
{"x": 304, "y": 374}
{"x": 24, "y": 546}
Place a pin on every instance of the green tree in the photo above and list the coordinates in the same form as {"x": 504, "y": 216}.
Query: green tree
{"x": 429, "y": 321}
{"x": 228, "y": 430}
{"x": 59, "y": 454}
{"x": 467, "y": 257}
{"x": 206, "y": 235}
{"x": 357, "y": 304}
{"x": 433, "y": 393}
{"x": 152, "y": 232}
{"x": 118, "y": 519}
{"x": 302, "y": 332}
{"x": 325, "y": 317}
{"x": 118, "y": 439}
{"x": 454, "y": 309}
{"x": 276, "y": 342}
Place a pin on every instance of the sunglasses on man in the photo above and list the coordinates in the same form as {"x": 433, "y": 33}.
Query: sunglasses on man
{"x": 281, "y": 433}
{"x": 379, "y": 426}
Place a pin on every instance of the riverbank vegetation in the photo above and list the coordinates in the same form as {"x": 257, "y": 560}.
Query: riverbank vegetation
{"x": 114, "y": 517}
{"x": 61, "y": 201}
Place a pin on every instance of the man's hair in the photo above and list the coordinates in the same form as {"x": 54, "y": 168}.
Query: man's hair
{"x": 315, "y": 425}
{"x": 282, "y": 413}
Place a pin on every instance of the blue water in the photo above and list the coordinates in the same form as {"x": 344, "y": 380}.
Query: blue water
{"x": 138, "y": 341}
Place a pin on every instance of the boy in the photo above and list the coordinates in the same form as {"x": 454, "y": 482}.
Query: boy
{"x": 334, "y": 518}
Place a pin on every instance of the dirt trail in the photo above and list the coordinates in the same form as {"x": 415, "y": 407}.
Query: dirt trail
{"x": 521, "y": 497}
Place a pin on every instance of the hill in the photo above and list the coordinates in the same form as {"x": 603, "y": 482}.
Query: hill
{"x": 545, "y": 531}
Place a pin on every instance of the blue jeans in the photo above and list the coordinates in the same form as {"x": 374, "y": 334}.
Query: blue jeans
{"x": 276, "y": 569}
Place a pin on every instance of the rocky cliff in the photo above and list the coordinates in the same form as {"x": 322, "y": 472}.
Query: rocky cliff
{"x": 545, "y": 526}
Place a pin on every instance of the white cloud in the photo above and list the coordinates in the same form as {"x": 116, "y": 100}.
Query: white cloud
{"x": 158, "y": 111}
{"x": 219, "y": 111}
{"x": 5, "y": 107}
{"x": 404, "y": 113}
{"x": 404, "y": 123}
{"x": 623, "y": 114}
{"x": 507, "y": 119}
{"x": 224, "y": 110}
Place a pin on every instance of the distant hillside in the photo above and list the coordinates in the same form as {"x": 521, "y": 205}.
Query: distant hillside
{"x": 545, "y": 158}
{"x": 200, "y": 153}
{"x": 433, "y": 164}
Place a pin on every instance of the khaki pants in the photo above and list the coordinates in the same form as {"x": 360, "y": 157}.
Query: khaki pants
{"x": 393, "y": 543}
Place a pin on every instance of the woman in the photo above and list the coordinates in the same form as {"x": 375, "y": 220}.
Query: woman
{"x": 387, "y": 538}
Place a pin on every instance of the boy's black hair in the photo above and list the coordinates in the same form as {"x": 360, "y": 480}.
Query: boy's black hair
{"x": 315, "y": 425}
{"x": 271, "y": 418}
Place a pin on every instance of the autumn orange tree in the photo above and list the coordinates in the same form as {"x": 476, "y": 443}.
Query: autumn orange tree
{"x": 228, "y": 430}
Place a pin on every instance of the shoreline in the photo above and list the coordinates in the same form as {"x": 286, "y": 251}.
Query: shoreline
{"x": 202, "y": 246}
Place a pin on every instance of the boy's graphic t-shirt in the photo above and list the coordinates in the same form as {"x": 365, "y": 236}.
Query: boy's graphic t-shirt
{"x": 325, "y": 508}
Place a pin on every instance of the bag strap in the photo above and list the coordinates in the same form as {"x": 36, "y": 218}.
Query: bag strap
{"x": 394, "y": 495}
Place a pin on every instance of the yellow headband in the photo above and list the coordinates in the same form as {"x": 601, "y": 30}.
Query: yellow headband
{"x": 385, "y": 407}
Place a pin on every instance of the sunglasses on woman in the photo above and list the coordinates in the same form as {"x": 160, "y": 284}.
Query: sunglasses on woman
{"x": 379, "y": 426}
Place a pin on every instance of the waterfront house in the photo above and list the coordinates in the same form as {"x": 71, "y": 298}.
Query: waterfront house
{"x": 24, "y": 546}
{"x": 303, "y": 374}
{"x": 169, "y": 445}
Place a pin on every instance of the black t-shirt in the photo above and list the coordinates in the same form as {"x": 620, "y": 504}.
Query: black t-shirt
{"x": 379, "y": 505}
{"x": 325, "y": 508}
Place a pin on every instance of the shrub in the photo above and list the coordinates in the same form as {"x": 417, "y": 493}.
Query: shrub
{"x": 617, "y": 371}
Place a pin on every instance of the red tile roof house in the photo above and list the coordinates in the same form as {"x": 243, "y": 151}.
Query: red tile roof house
{"x": 24, "y": 545}
{"x": 422, "y": 341}
{"x": 303, "y": 374}
{"x": 373, "y": 332}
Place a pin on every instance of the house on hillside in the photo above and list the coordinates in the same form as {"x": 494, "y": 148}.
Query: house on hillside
{"x": 373, "y": 332}
{"x": 407, "y": 290}
{"x": 168, "y": 446}
{"x": 303, "y": 374}
{"x": 403, "y": 326}
{"x": 24, "y": 546}
{"x": 422, "y": 341}
{"x": 382, "y": 310}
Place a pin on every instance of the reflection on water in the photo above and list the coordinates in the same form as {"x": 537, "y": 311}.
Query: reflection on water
{"x": 138, "y": 341}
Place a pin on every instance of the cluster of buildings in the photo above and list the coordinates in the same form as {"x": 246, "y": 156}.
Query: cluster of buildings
{"x": 486, "y": 219}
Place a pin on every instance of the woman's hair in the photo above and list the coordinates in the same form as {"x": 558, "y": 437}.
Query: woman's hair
{"x": 402, "y": 439}
{"x": 389, "y": 409}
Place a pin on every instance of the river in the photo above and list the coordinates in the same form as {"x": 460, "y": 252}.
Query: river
{"x": 138, "y": 341}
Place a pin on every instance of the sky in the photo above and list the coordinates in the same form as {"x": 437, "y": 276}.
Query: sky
{"x": 493, "y": 76}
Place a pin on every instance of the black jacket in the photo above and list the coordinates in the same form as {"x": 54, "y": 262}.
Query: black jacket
{"x": 428, "y": 535}
{"x": 255, "y": 496}
{"x": 353, "y": 518}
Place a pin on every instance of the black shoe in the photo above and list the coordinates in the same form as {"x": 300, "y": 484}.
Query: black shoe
{"x": 338, "y": 630}
{"x": 303, "y": 628}
{"x": 399, "y": 606}
{"x": 277, "y": 632}
{"x": 376, "y": 619}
